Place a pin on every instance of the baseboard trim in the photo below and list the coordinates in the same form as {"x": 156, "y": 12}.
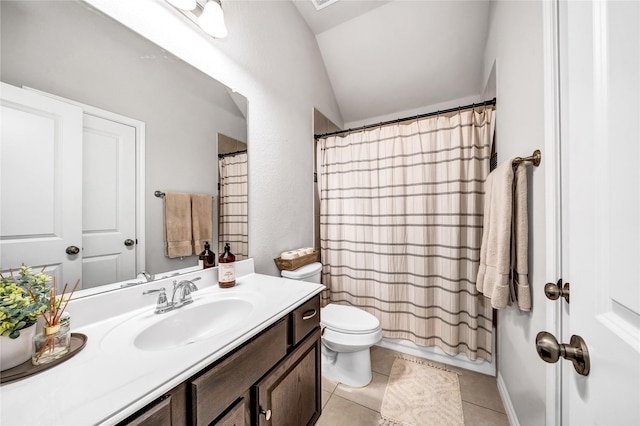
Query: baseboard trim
{"x": 438, "y": 355}
{"x": 506, "y": 401}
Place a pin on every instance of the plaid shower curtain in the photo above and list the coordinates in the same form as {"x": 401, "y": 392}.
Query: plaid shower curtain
{"x": 401, "y": 209}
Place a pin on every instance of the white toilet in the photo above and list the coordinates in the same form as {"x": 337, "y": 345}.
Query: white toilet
{"x": 348, "y": 333}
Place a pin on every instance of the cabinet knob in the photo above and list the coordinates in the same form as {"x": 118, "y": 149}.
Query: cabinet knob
{"x": 266, "y": 414}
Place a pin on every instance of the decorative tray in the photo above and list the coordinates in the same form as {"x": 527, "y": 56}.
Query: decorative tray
{"x": 26, "y": 369}
{"x": 291, "y": 264}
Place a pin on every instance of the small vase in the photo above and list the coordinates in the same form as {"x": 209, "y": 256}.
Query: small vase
{"x": 14, "y": 352}
{"x": 54, "y": 342}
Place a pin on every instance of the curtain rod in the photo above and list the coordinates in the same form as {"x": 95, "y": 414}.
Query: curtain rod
{"x": 415, "y": 117}
{"x": 232, "y": 153}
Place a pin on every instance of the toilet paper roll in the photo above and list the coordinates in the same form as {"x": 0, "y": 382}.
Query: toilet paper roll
{"x": 288, "y": 255}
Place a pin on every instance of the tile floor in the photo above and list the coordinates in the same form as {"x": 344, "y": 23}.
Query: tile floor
{"x": 346, "y": 406}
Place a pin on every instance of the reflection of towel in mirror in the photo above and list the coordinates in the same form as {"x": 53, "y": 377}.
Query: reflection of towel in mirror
{"x": 201, "y": 221}
{"x": 177, "y": 224}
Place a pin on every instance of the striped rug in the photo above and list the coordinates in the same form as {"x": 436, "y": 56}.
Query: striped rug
{"x": 421, "y": 394}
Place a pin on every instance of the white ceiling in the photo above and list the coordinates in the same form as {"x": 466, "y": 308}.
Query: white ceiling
{"x": 389, "y": 56}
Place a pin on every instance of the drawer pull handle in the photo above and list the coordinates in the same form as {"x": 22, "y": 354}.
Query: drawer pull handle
{"x": 266, "y": 414}
{"x": 309, "y": 314}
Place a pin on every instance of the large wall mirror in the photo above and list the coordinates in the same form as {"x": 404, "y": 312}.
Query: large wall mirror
{"x": 148, "y": 122}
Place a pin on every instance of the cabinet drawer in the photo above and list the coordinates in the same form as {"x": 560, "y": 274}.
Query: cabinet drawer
{"x": 235, "y": 417}
{"x": 304, "y": 319}
{"x": 158, "y": 414}
{"x": 215, "y": 390}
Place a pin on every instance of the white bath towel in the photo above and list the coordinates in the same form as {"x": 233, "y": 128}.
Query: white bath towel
{"x": 495, "y": 251}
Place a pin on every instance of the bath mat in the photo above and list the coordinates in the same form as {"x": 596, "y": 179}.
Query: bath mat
{"x": 419, "y": 394}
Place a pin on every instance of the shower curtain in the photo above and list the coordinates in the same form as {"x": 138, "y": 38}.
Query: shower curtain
{"x": 401, "y": 210}
{"x": 232, "y": 226}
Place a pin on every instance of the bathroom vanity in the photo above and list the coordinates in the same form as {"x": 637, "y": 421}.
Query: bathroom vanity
{"x": 249, "y": 355}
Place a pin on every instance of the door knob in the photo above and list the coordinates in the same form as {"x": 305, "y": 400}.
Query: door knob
{"x": 72, "y": 250}
{"x": 556, "y": 291}
{"x": 576, "y": 351}
{"x": 129, "y": 242}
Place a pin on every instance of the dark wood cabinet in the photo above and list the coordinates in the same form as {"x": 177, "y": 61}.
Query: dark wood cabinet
{"x": 168, "y": 410}
{"x": 276, "y": 375}
{"x": 289, "y": 395}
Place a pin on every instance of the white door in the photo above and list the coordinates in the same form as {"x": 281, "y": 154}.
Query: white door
{"x": 108, "y": 202}
{"x": 40, "y": 184}
{"x": 601, "y": 208}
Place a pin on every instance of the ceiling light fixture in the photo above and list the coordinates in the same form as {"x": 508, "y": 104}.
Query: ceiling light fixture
{"x": 210, "y": 17}
{"x": 212, "y": 20}
{"x": 183, "y": 4}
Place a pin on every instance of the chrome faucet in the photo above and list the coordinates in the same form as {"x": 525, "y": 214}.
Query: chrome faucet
{"x": 144, "y": 275}
{"x": 183, "y": 289}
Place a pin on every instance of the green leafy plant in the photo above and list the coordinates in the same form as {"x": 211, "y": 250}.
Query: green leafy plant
{"x": 23, "y": 297}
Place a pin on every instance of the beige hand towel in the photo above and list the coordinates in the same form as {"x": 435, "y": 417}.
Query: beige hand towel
{"x": 521, "y": 240}
{"x": 177, "y": 221}
{"x": 495, "y": 251}
{"x": 201, "y": 221}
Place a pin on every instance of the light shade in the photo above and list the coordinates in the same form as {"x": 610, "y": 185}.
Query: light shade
{"x": 183, "y": 4}
{"x": 212, "y": 20}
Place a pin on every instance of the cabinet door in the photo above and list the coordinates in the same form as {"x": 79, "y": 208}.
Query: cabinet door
{"x": 170, "y": 410}
{"x": 290, "y": 394}
{"x": 216, "y": 389}
{"x": 235, "y": 416}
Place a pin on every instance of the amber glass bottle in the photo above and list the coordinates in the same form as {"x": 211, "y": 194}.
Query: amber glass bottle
{"x": 207, "y": 257}
{"x": 226, "y": 268}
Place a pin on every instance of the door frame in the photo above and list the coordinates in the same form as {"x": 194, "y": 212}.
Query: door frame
{"x": 140, "y": 166}
{"x": 553, "y": 194}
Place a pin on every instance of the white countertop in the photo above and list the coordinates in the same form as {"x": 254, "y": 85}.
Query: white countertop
{"x": 111, "y": 379}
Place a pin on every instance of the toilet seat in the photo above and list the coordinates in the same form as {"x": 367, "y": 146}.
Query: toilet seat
{"x": 348, "y": 319}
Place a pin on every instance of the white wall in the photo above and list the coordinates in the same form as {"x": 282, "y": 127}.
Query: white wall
{"x": 272, "y": 58}
{"x": 65, "y": 49}
{"x": 515, "y": 48}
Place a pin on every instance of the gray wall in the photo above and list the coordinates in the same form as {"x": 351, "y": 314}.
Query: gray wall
{"x": 514, "y": 70}
{"x": 70, "y": 50}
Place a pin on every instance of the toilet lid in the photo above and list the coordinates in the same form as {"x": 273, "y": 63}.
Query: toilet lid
{"x": 348, "y": 319}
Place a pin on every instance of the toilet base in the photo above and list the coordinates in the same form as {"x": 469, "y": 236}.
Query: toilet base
{"x": 350, "y": 368}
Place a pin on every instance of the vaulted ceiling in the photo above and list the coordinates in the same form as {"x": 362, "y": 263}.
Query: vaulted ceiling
{"x": 388, "y": 56}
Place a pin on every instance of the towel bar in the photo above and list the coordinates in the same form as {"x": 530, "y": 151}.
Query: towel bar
{"x": 160, "y": 194}
{"x": 536, "y": 158}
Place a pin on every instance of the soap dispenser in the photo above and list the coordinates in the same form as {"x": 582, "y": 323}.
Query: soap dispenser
{"x": 226, "y": 268}
{"x": 207, "y": 258}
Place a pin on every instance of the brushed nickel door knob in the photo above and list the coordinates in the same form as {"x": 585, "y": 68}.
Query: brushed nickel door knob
{"x": 576, "y": 351}
{"x": 129, "y": 242}
{"x": 556, "y": 291}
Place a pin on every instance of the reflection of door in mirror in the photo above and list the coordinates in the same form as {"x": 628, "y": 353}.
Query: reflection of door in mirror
{"x": 40, "y": 175}
{"x": 87, "y": 243}
{"x": 109, "y": 235}
{"x": 232, "y": 199}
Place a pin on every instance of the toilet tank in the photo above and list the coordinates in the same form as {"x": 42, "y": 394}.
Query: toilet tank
{"x": 310, "y": 272}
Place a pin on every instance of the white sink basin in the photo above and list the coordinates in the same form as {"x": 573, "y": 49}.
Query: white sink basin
{"x": 193, "y": 323}
{"x": 213, "y": 315}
